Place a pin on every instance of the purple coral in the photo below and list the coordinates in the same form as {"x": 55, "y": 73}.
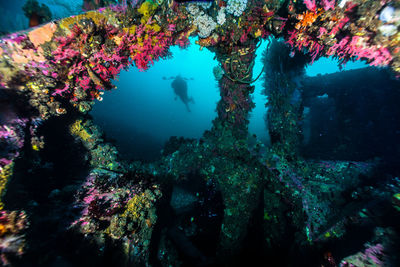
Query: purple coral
{"x": 373, "y": 255}
{"x": 12, "y": 136}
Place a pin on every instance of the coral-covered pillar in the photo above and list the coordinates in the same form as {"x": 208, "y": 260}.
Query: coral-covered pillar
{"x": 235, "y": 88}
{"x": 283, "y": 72}
{"x": 283, "y": 116}
{"x": 240, "y": 185}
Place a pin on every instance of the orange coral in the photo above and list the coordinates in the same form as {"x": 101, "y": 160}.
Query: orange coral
{"x": 307, "y": 18}
{"x": 23, "y": 56}
{"x": 231, "y": 107}
{"x": 209, "y": 41}
{"x": 19, "y": 59}
{"x": 42, "y": 34}
{"x": 204, "y": 42}
{"x": 3, "y": 229}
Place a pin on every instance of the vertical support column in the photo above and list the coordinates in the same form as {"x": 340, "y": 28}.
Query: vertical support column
{"x": 284, "y": 113}
{"x": 240, "y": 184}
{"x": 235, "y": 89}
{"x": 285, "y": 108}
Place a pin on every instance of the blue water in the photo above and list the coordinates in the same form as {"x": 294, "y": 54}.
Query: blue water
{"x": 143, "y": 109}
{"x": 330, "y": 65}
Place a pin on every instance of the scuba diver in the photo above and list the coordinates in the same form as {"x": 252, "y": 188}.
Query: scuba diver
{"x": 179, "y": 85}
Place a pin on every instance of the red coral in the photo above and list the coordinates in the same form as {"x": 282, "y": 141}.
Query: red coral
{"x": 147, "y": 46}
{"x": 356, "y": 47}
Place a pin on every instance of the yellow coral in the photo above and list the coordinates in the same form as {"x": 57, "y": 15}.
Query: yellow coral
{"x": 134, "y": 206}
{"x": 257, "y": 33}
{"x": 153, "y": 27}
{"x": 36, "y": 87}
{"x": 5, "y": 174}
{"x": 130, "y": 30}
{"x": 147, "y": 9}
{"x": 327, "y": 235}
{"x": 77, "y": 129}
{"x": 95, "y": 16}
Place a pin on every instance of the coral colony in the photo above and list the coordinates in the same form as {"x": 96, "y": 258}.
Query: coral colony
{"x": 59, "y": 69}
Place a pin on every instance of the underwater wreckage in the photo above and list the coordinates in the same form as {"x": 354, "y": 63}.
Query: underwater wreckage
{"x": 55, "y": 72}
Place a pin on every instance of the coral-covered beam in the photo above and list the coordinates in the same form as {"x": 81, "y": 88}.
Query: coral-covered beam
{"x": 347, "y": 30}
{"x": 73, "y": 60}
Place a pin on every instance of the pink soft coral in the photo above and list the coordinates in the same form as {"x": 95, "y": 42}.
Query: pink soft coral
{"x": 310, "y": 4}
{"x": 326, "y": 4}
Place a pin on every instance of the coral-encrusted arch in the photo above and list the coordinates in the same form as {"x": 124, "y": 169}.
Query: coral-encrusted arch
{"x": 76, "y": 58}
{"x": 64, "y": 65}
